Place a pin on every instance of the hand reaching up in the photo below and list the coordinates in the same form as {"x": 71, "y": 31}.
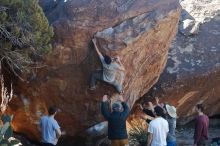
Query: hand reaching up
{"x": 157, "y": 101}
{"x": 105, "y": 98}
{"x": 151, "y": 106}
{"x": 121, "y": 99}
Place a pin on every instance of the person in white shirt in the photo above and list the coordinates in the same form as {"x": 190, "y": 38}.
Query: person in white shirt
{"x": 158, "y": 129}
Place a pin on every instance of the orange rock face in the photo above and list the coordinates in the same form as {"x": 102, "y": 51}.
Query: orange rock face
{"x": 192, "y": 73}
{"x": 139, "y": 32}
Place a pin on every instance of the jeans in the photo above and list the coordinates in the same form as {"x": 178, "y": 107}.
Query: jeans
{"x": 47, "y": 144}
{"x": 98, "y": 75}
{"x": 171, "y": 143}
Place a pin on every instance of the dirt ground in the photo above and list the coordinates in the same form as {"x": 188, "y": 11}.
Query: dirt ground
{"x": 185, "y": 134}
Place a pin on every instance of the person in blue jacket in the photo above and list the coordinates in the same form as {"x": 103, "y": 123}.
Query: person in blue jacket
{"x": 117, "y": 131}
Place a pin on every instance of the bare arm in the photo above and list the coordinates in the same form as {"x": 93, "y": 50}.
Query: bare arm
{"x": 97, "y": 50}
{"x": 121, "y": 68}
{"x": 143, "y": 117}
{"x": 140, "y": 106}
{"x": 58, "y": 133}
{"x": 149, "y": 139}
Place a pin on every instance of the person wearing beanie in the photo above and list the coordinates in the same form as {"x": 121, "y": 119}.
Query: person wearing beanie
{"x": 117, "y": 131}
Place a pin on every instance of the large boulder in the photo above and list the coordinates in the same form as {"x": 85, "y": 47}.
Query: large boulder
{"x": 139, "y": 32}
{"x": 192, "y": 73}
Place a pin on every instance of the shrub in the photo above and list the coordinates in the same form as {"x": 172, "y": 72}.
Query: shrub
{"x": 24, "y": 33}
{"x": 6, "y": 131}
{"x": 215, "y": 141}
{"x": 138, "y": 136}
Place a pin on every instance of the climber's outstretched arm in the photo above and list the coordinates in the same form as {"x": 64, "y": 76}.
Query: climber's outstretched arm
{"x": 104, "y": 107}
{"x": 97, "y": 49}
{"x": 121, "y": 67}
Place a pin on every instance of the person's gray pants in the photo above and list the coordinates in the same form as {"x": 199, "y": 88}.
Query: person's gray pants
{"x": 98, "y": 75}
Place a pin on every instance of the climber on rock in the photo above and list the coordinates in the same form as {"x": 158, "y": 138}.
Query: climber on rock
{"x": 111, "y": 66}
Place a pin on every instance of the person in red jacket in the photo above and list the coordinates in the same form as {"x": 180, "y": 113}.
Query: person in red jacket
{"x": 201, "y": 127}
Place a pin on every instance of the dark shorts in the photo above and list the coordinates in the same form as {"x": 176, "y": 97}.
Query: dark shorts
{"x": 47, "y": 144}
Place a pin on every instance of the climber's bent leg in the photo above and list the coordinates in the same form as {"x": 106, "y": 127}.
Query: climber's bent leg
{"x": 96, "y": 75}
{"x": 118, "y": 83}
{"x": 117, "y": 86}
{"x": 122, "y": 77}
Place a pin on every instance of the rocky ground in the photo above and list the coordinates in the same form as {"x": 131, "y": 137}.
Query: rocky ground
{"x": 185, "y": 133}
{"x": 185, "y": 136}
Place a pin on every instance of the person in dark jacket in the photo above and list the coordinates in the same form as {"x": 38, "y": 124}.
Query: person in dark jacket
{"x": 117, "y": 131}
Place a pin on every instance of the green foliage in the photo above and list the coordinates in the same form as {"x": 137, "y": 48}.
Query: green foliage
{"x": 24, "y": 31}
{"x": 6, "y": 131}
{"x": 138, "y": 136}
{"x": 215, "y": 142}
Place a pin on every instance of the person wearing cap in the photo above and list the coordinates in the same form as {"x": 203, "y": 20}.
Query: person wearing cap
{"x": 111, "y": 66}
{"x": 158, "y": 129}
{"x": 171, "y": 119}
{"x": 50, "y": 129}
{"x": 117, "y": 131}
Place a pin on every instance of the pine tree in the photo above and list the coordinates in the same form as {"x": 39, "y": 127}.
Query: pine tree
{"x": 24, "y": 33}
